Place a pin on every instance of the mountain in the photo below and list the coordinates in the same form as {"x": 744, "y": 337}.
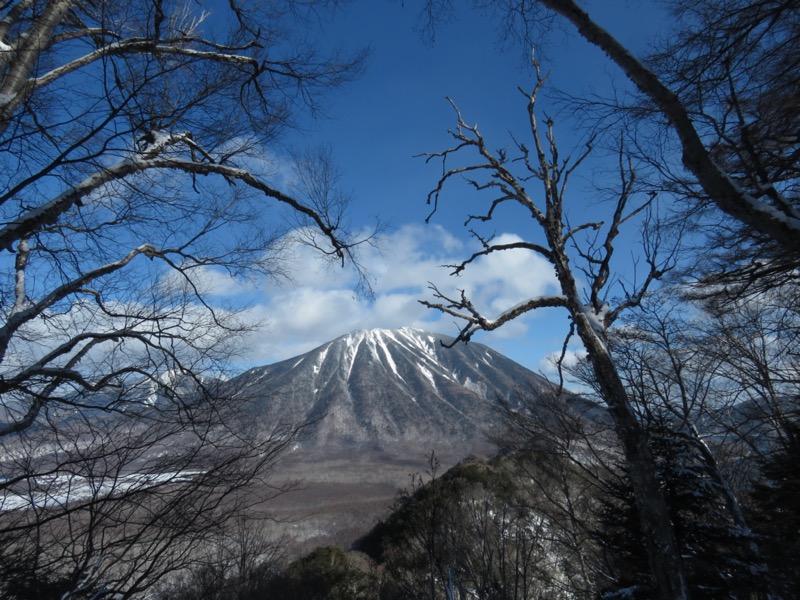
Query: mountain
{"x": 390, "y": 390}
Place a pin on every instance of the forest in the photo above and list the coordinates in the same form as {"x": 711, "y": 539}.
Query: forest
{"x": 135, "y": 138}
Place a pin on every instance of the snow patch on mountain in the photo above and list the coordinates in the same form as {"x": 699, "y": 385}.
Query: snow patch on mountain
{"x": 389, "y": 359}
{"x": 428, "y": 375}
{"x": 478, "y": 387}
{"x": 321, "y": 359}
{"x": 352, "y": 344}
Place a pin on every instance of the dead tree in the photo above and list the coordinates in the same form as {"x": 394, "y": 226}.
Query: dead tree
{"x": 591, "y": 314}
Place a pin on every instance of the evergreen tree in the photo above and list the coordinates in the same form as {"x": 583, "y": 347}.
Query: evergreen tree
{"x": 717, "y": 560}
{"x": 776, "y": 512}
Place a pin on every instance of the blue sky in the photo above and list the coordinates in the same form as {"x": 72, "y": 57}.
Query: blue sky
{"x": 397, "y": 110}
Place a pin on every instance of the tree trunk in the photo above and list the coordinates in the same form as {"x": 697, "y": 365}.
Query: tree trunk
{"x": 655, "y": 523}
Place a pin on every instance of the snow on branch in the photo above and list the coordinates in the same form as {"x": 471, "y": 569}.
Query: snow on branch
{"x": 176, "y": 46}
{"x": 156, "y": 152}
{"x": 19, "y": 317}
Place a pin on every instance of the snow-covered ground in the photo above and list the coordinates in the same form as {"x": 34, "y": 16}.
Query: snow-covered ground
{"x": 61, "y": 489}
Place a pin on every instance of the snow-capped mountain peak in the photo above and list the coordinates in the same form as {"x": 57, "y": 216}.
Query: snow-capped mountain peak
{"x": 389, "y": 387}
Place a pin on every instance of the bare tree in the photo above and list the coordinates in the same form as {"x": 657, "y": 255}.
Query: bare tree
{"x": 723, "y": 85}
{"x": 716, "y": 386}
{"x": 138, "y": 168}
{"x": 109, "y": 505}
{"x": 724, "y": 369}
{"x": 719, "y": 88}
{"x": 755, "y": 343}
{"x": 733, "y": 65}
{"x": 756, "y": 200}
{"x": 495, "y": 174}
{"x": 240, "y": 564}
{"x": 565, "y": 452}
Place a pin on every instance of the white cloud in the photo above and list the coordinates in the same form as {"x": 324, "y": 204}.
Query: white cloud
{"x": 549, "y": 364}
{"x": 210, "y": 282}
{"x": 319, "y": 304}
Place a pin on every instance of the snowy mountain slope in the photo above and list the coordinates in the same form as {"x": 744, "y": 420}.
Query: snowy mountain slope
{"x": 384, "y": 389}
